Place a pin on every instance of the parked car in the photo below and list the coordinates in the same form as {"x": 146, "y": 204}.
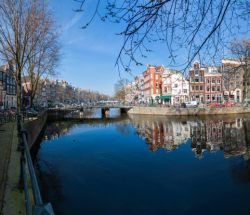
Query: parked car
{"x": 183, "y": 105}
{"x": 228, "y": 104}
{"x": 215, "y": 104}
{"x": 30, "y": 112}
{"x": 246, "y": 102}
{"x": 191, "y": 104}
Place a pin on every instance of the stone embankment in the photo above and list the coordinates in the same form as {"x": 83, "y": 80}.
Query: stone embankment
{"x": 35, "y": 126}
{"x": 165, "y": 111}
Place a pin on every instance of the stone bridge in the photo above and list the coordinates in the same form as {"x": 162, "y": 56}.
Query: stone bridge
{"x": 104, "y": 109}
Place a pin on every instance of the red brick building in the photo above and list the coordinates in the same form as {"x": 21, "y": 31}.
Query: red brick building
{"x": 152, "y": 83}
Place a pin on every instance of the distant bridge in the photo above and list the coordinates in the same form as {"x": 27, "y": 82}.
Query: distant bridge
{"x": 104, "y": 109}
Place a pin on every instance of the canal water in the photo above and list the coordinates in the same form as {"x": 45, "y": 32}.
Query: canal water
{"x": 142, "y": 165}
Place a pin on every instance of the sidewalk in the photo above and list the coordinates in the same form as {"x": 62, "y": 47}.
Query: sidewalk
{"x": 6, "y": 136}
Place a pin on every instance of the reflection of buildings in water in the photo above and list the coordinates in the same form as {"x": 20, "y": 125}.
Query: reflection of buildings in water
{"x": 166, "y": 135}
{"x": 197, "y": 132}
{"x": 234, "y": 138}
{"x": 55, "y": 130}
{"x": 214, "y": 135}
{"x": 214, "y": 139}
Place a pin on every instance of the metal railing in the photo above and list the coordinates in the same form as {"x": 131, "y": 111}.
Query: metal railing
{"x": 38, "y": 207}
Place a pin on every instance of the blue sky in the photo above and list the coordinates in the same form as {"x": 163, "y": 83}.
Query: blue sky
{"x": 88, "y": 56}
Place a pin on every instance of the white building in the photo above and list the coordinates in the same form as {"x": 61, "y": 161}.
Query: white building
{"x": 175, "y": 88}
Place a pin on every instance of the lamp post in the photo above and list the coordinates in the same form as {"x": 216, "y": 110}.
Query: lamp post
{"x": 1, "y": 91}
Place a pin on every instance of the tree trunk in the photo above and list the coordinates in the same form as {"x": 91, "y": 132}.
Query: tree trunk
{"x": 19, "y": 92}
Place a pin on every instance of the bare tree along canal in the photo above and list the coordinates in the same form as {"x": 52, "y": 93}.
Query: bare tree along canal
{"x": 147, "y": 166}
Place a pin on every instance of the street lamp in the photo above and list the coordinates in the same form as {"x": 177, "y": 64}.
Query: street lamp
{"x": 1, "y": 90}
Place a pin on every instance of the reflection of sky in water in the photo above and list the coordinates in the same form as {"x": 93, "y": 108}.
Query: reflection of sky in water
{"x": 149, "y": 166}
{"x": 114, "y": 112}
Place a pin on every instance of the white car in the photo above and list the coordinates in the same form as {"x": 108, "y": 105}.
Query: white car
{"x": 191, "y": 104}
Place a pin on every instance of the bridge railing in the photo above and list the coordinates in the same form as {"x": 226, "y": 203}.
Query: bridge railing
{"x": 36, "y": 207}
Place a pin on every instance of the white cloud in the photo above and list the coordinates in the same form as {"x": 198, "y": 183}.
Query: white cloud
{"x": 71, "y": 22}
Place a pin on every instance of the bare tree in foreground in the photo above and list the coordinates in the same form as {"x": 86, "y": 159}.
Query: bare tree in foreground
{"x": 22, "y": 28}
{"x": 44, "y": 58}
{"x": 194, "y": 26}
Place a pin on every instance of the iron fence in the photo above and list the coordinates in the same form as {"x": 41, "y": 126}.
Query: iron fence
{"x": 27, "y": 172}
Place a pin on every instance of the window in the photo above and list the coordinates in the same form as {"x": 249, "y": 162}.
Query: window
{"x": 218, "y": 98}
{"x": 213, "y": 97}
{"x": 201, "y": 79}
{"x": 208, "y": 97}
{"x": 213, "y": 80}
{"x": 185, "y": 91}
{"x": 218, "y": 88}
{"x": 192, "y": 79}
{"x": 196, "y": 88}
{"x": 213, "y": 89}
{"x": 196, "y": 79}
{"x": 237, "y": 84}
{"x": 196, "y": 72}
{"x": 218, "y": 80}
{"x": 208, "y": 89}
{"x": 192, "y": 88}
{"x": 201, "y": 88}
{"x": 208, "y": 80}
{"x": 176, "y": 85}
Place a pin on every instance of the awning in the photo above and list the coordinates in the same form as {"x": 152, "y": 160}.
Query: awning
{"x": 165, "y": 97}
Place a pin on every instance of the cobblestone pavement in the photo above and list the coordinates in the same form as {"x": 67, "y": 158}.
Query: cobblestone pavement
{"x": 6, "y": 137}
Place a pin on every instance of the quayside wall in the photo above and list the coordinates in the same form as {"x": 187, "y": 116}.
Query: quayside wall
{"x": 34, "y": 127}
{"x": 164, "y": 111}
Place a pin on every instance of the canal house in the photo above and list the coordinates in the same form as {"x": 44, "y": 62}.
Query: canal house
{"x": 7, "y": 88}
